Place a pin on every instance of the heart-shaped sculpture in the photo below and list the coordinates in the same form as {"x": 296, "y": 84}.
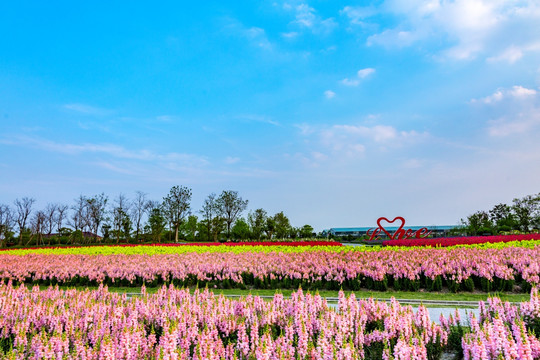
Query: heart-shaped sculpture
{"x": 398, "y": 231}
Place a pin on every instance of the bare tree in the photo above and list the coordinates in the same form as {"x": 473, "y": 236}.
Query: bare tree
{"x": 177, "y": 206}
{"x": 37, "y": 223}
{"x": 79, "y": 219}
{"x": 23, "y": 208}
{"x": 49, "y": 212}
{"x": 230, "y": 205}
{"x": 140, "y": 207}
{"x": 96, "y": 212}
{"x": 6, "y": 224}
{"x": 61, "y": 214}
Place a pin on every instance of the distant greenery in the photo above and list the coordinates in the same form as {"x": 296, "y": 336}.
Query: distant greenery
{"x": 522, "y": 216}
{"x": 97, "y": 220}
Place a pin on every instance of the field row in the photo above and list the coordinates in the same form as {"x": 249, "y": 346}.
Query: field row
{"x": 528, "y": 241}
{"x": 174, "y": 324}
{"x": 460, "y": 268}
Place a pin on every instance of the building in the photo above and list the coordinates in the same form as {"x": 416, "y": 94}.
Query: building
{"x": 357, "y": 232}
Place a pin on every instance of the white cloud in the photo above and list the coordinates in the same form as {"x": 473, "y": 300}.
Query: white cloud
{"x": 256, "y": 36}
{"x": 350, "y": 82}
{"x": 329, "y": 94}
{"x": 346, "y": 142}
{"x": 509, "y": 55}
{"x": 502, "y": 30}
{"x": 361, "y": 74}
{"x": 290, "y": 35}
{"x": 377, "y": 133}
{"x": 112, "y": 150}
{"x": 357, "y": 14}
{"x": 86, "y": 109}
{"x": 306, "y": 18}
{"x": 521, "y": 92}
{"x": 516, "y": 92}
{"x": 513, "y": 111}
{"x": 305, "y": 129}
{"x": 518, "y": 125}
{"x": 365, "y": 72}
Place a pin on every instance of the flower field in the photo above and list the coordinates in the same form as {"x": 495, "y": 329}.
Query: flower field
{"x": 498, "y": 267}
{"x": 174, "y": 324}
{"x": 463, "y": 240}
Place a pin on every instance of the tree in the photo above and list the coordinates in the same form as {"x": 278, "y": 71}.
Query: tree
{"x": 121, "y": 220}
{"x": 96, "y": 212}
{"x": 270, "y": 227}
{"x": 230, "y": 206}
{"x": 218, "y": 226}
{"x": 23, "y": 209}
{"x": 527, "y": 211}
{"x": 79, "y": 219}
{"x": 283, "y": 225}
{"x": 61, "y": 214}
{"x": 189, "y": 228}
{"x": 209, "y": 211}
{"x": 37, "y": 223}
{"x": 156, "y": 223}
{"x": 257, "y": 222}
{"x": 306, "y": 231}
{"x": 177, "y": 206}
{"x": 49, "y": 212}
{"x": 6, "y": 224}
{"x": 140, "y": 207}
{"x": 501, "y": 215}
{"x": 240, "y": 230}
{"x": 477, "y": 223}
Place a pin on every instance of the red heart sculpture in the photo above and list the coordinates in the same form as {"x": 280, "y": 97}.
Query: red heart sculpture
{"x": 398, "y": 231}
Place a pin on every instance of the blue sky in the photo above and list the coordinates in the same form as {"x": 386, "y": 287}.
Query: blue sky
{"x": 334, "y": 112}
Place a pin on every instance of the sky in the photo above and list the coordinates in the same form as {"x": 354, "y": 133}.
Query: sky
{"x": 335, "y": 112}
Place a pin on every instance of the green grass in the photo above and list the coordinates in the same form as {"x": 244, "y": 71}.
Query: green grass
{"x": 418, "y": 295}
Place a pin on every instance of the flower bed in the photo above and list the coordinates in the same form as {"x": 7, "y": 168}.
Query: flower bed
{"x": 174, "y": 324}
{"x": 205, "y": 244}
{"x": 461, "y": 268}
{"x": 464, "y": 240}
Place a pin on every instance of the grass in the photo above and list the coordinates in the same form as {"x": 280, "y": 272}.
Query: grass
{"x": 418, "y": 295}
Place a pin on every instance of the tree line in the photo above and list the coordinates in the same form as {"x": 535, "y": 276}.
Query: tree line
{"x": 96, "y": 219}
{"x": 523, "y": 215}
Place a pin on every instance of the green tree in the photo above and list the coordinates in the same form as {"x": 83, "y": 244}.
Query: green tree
{"x": 177, "y": 206}
{"x": 189, "y": 228}
{"x": 157, "y": 223}
{"x": 257, "y": 222}
{"x": 209, "y": 211}
{"x": 283, "y": 225}
{"x": 477, "y": 223}
{"x": 527, "y": 211}
{"x": 306, "y": 231}
{"x": 241, "y": 230}
{"x": 121, "y": 219}
{"x": 501, "y": 215}
{"x": 218, "y": 226}
{"x": 270, "y": 227}
{"x": 230, "y": 206}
